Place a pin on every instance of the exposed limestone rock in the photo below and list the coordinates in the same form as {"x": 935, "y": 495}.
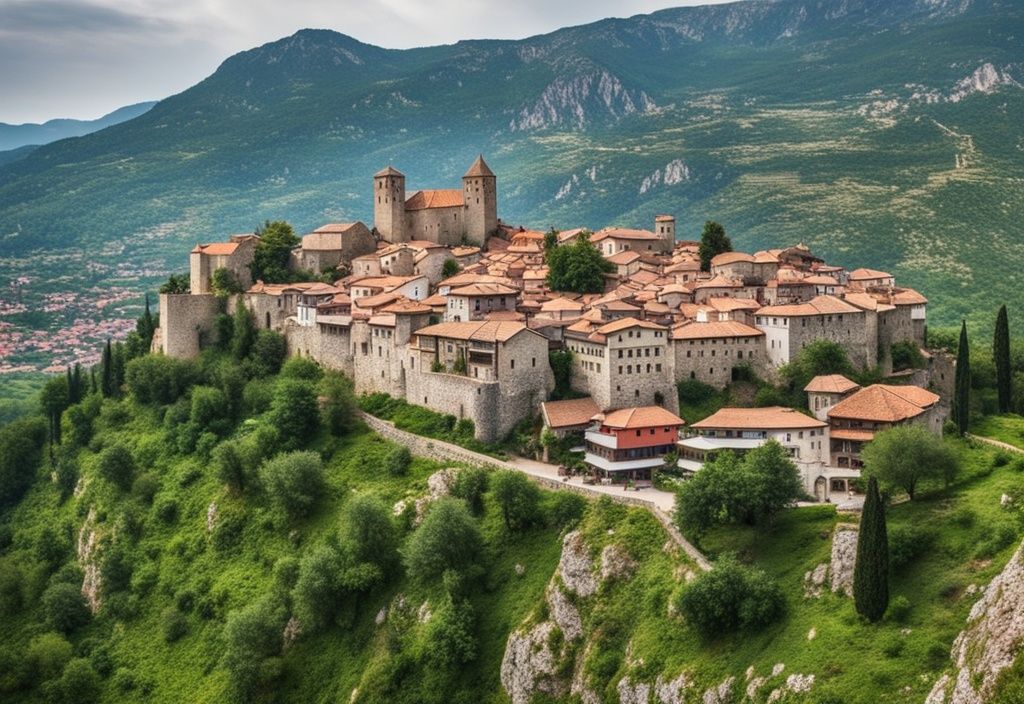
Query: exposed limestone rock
{"x": 292, "y": 630}
{"x": 80, "y": 487}
{"x": 777, "y": 670}
{"x": 1005, "y": 500}
{"x": 754, "y": 686}
{"x": 520, "y": 570}
{"x": 812, "y": 634}
{"x": 633, "y": 693}
{"x": 838, "y": 573}
{"x": 844, "y": 556}
{"x": 399, "y": 508}
{"x": 575, "y": 566}
{"x": 615, "y": 562}
{"x": 440, "y": 483}
{"x": 579, "y": 687}
{"x": 529, "y": 666}
{"x": 720, "y": 693}
{"x": 424, "y": 614}
{"x": 381, "y": 616}
{"x": 564, "y": 613}
{"x": 795, "y": 684}
{"x": 994, "y": 636}
{"x": 671, "y": 691}
{"x": 211, "y": 516}
{"x": 87, "y": 552}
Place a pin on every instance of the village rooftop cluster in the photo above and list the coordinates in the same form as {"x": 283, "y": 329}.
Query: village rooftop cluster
{"x": 476, "y": 344}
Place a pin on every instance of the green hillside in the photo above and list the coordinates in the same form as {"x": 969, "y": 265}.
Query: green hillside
{"x": 883, "y": 134}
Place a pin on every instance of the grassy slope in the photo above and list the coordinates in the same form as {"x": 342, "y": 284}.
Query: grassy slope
{"x": 1007, "y": 428}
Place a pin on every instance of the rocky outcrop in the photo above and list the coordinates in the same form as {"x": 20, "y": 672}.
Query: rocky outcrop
{"x": 589, "y": 94}
{"x": 439, "y": 485}
{"x": 721, "y": 693}
{"x": 529, "y": 665}
{"x": 615, "y": 563}
{"x": 87, "y": 552}
{"x": 991, "y": 642}
{"x": 564, "y": 613}
{"x": 838, "y": 572}
{"x": 575, "y": 567}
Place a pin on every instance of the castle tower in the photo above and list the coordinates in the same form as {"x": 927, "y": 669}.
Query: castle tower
{"x": 480, "y": 191}
{"x": 665, "y": 228}
{"x": 389, "y": 204}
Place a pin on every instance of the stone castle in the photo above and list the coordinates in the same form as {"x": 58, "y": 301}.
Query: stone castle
{"x": 475, "y": 344}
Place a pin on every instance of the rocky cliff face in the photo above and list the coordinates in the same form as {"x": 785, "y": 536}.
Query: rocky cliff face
{"x": 993, "y": 639}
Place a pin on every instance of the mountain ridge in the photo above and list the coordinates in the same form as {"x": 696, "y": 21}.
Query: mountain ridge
{"x": 15, "y": 136}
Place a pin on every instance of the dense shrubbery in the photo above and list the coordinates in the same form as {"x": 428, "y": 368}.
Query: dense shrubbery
{"x": 448, "y": 539}
{"x": 731, "y": 597}
{"x": 293, "y": 481}
{"x": 423, "y": 421}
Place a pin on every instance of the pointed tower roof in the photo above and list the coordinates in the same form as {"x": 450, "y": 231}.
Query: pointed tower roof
{"x": 389, "y": 170}
{"x": 479, "y": 168}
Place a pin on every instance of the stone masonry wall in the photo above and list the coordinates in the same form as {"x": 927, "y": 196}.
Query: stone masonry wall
{"x": 187, "y": 322}
{"x": 712, "y": 362}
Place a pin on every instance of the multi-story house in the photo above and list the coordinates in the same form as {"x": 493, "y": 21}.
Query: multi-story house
{"x": 630, "y": 443}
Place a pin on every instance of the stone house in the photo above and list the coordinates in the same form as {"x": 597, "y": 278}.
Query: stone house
{"x": 629, "y": 444}
{"x": 870, "y": 278}
{"x": 393, "y": 260}
{"x": 623, "y": 363}
{"x": 333, "y": 244}
{"x": 790, "y": 328}
{"x": 475, "y": 301}
{"x": 569, "y": 416}
{"x": 235, "y": 256}
{"x": 708, "y": 352}
{"x": 825, "y": 391}
{"x": 613, "y": 240}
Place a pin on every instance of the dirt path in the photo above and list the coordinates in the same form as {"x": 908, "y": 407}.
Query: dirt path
{"x": 995, "y": 443}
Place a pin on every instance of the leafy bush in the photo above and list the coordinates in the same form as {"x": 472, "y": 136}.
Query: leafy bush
{"x": 999, "y": 536}
{"x": 899, "y": 609}
{"x": 450, "y": 634}
{"x": 159, "y": 379}
{"x": 117, "y": 466}
{"x": 293, "y": 481}
{"x": 339, "y": 409}
{"x": 565, "y": 509}
{"x": 907, "y": 543}
{"x": 470, "y": 485}
{"x": 731, "y": 597}
{"x": 21, "y": 444}
{"x": 46, "y": 656}
{"x": 398, "y": 460}
{"x": 301, "y": 368}
{"x": 65, "y": 607}
{"x": 173, "y": 624}
{"x": 518, "y": 498}
{"x": 294, "y": 411}
{"x": 78, "y": 684}
{"x": 145, "y": 487}
{"x": 267, "y": 354}
{"x": 167, "y": 509}
{"x": 448, "y": 539}
{"x": 904, "y": 456}
{"x": 252, "y": 645}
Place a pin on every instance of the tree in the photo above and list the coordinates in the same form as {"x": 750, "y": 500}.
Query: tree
{"x": 578, "y": 267}
{"x": 77, "y": 684}
{"x": 561, "y": 366}
{"x": 107, "y": 366}
{"x": 243, "y": 332}
{"x": 962, "y": 383}
{"x": 253, "y": 638}
{"x": 550, "y": 240}
{"x": 368, "y": 533}
{"x": 270, "y": 260}
{"x": 158, "y": 379}
{"x": 54, "y": 399}
{"x": 176, "y": 284}
{"x": 21, "y": 446}
{"x": 448, "y": 539}
{"x": 450, "y": 268}
{"x": 450, "y": 633}
{"x": 518, "y": 498}
{"x": 267, "y": 353}
{"x": 339, "y": 408}
{"x": 65, "y": 607}
{"x": 117, "y": 466}
{"x": 223, "y": 283}
{"x": 731, "y": 597}
{"x": 470, "y": 485}
{"x": 816, "y": 359}
{"x": 713, "y": 241}
{"x": 871, "y": 572}
{"x": 294, "y": 411}
{"x": 1001, "y": 353}
{"x": 293, "y": 481}
{"x": 729, "y": 489}
{"x": 397, "y": 461}
{"x": 904, "y": 456}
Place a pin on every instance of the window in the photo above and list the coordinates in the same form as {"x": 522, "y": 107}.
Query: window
{"x": 533, "y": 362}
{"x": 513, "y": 363}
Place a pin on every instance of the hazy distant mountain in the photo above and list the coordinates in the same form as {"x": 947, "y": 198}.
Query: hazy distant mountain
{"x": 15, "y": 136}
{"x": 882, "y": 134}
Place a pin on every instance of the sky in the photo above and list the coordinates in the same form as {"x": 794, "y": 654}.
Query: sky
{"x": 85, "y": 58}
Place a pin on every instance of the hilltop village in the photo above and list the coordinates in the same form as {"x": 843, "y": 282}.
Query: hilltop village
{"x": 445, "y": 305}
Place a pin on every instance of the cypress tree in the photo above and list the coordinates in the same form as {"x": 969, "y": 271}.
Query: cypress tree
{"x": 962, "y": 383}
{"x": 107, "y": 364}
{"x": 244, "y": 332}
{"x": 871, "y": 573}
{"x": 79, "y": 385}
{"x": 1001, "y": 353}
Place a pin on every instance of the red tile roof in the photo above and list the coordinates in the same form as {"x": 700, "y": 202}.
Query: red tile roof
{"x": 770, "y": 418}
{"x": 422, "y": 200}
{"x": 831, "y": 384}
{"x": 643, "y": 417}
{"x": 569, "y": 413}
{"x": 885, "y": 404}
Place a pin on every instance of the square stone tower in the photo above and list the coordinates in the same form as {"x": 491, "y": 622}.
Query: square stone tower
{"x": 665, "y": 228}
{"x": 389, "y": 204}
{"x": 480, "y": 190}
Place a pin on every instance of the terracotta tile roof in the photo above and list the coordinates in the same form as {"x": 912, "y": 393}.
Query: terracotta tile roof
{"x": 385, "y": 282}
{"x": 622, "y": 233}
{"x": 487, "y": 331}
{"x": 852, "y": 434}
{"x": 388, "y": 171}
{"x": 465, "y": 251}
{"x": 822, "y": 280}
{"x": 484, "y": 290}
{"x": 731, "y": 258}
{"x": 387, "y": 321}
{"x": 216, "y": 249}
{"x": 703, "y": 331}
{"x": 885, "y": 404}
{"x": 831, "y": 384}
{"x": 719, "y": 282}
{"x": 624, "y": 257}
{"x": 479, "y": 168}
{"x": 908, "y": 297}
{"x": 770, "y": 418}
{"x": 819, "y": 305}
{"x": 767, "y": 257}
{"x": 379, "y": 300}
{"x": 569, "y": 413}
{"x": 729, "y": 303}
{"x": 867, "y": 301}
{"x": 559, "y": 304}
{"x": 664, "y": 218}
{"x": 642, "y": 417}
{"x": 447, "y": 198}
{"x": 504, "y": 315}
{"x": 868, "y": 275}
{"x": 466, "y": 278}
{"x": 406, "y": 307}
{"x": 436, "y": 300}
{"x": 335, "y": 228}
{"x": 626, "y": 324}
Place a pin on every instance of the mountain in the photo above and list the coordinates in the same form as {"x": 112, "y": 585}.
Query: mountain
{"x": 16, "y": 136}
{"x": 881, "y": 134}
{"x": 10, "y": 155}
